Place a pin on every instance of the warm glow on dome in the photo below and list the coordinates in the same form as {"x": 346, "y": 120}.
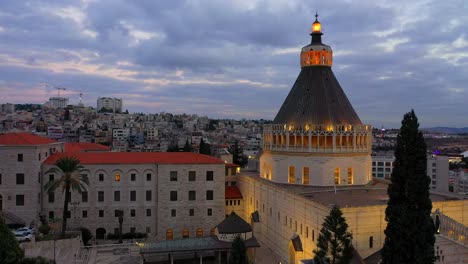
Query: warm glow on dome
{"x": 316, "y": 26}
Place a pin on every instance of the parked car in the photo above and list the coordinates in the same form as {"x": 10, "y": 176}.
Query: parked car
{"x": 24, "y": 236}
{"x": 25, "y": 229}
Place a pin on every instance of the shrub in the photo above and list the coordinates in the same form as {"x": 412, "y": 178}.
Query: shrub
{"x": 44, "y": 229}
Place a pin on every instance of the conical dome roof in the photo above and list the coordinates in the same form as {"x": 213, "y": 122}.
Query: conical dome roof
{"x": 317, "y": 98}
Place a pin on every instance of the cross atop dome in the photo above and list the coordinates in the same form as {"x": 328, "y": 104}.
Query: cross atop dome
{"x": 316, "y": 25}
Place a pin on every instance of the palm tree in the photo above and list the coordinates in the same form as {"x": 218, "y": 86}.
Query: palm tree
{"x": 69, "y": 167}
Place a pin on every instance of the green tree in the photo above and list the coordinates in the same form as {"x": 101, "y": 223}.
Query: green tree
{"x": 173, "y": 147}
{"x": 410, "y": 229}
{"x": 187, "y": 146}
{"x": 238, "y": 156}
{"x": 204, "y": 148}
{"x": 69, "y": 168}
{"x": 238, "y": 252}
{"x": 334, "y": 241}
{"x": 67, "y": 114}
{"x": 10, "y": 252}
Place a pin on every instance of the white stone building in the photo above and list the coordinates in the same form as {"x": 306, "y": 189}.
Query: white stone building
{"x": 58, "y": 102}
{"x": 109, "y": 104}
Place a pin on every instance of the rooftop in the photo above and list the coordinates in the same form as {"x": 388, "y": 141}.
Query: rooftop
{"x": 233, "y": 224}
{"x": 23, "y": 139}
{"x": 84, "y": 146}
{"x": 232, "y": 192}
{"x": 371, "y": 194}
{"x": 137, "y": 158}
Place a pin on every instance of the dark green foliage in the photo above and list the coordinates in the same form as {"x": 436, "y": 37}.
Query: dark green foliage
{"x": 44, "y": 229}
{"x": 334, "y": 241}
{"x": 410, "y": 229}
{"x": 86, "y": 235}
{"x": 187, "y": 146}
{"x": 238, "y": 156}
{"x": 66, "y": 116}
{"x": 238, "y": 252}
{"x": 68, "y": 168}
{"x": 205, "y": 148}
{"x": 10, "y": 251}
{"x": 173, "y": 147}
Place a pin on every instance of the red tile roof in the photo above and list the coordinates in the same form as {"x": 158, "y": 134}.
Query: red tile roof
{"x": 83, "y": 146}
{"x": 232, "y": 192}
{"x": 20, "y": 139}
{"x": 230, "y": 165}
{"x": 137, "y": 158}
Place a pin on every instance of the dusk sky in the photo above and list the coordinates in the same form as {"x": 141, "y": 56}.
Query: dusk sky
{"x": 237, "y": 59}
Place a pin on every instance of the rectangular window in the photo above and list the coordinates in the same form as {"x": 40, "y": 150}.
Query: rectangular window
{"x": 173, "y": 175}
{"x": 84, "y": 197}
{"x": 117, "y": 177}
{"x": 51, "y": 197}
{"x": 371, "y": 242}
{"x": 101, "y": 177}
{"x": 116, "y": 213}
{"x": 148, "y": 176}
{"x": 337, "y": 176}
{"x": 209, "y": 175}
{"x": 148, "y": 196}
{"x": 132, "y": 196}
{"x": 20, "y": 178}
{"x": 20, "y": 157}
{"x": 191, "y": 212}
{"x": 20, "y": 200}
{"x": 133, "y": 177}
{"x": 84, "y": 214}
{"x": 100, "y": 196}
{"x": 191, "y": 195}
{"x": 380, "y": 163}
{"x": 101, "y": 213}
{"x": 209, "y": 195}
{"x": 305, "y": 175}
{"x": 173, "y": 213}
{"x": 51, "y": 215}
{"x": 132, "y": 213}
{"x": 192, "y": 175}
{"x": 307, "y": 232}
{"x": 313, "y": 235}
{"x": 148, "y": 212}
{"x": 173, "y": 195}
{"x": 51, "y": 177}
{"x": 291, "y": 174}
{"x": 350, "y": 176}
{"x": 387, "y": 164}
{"x": 210, "y": 212}
{"x": 117, "y": 196}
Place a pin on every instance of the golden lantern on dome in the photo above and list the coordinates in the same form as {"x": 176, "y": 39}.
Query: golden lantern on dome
{"x": 316, "y": 27}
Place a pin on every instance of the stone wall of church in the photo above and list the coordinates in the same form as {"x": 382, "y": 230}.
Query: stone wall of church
{"x": 275, "y": 166}
{"x": 284, "y": 214}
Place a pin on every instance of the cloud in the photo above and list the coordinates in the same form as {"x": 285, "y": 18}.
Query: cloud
{"x": 238, "y": 59}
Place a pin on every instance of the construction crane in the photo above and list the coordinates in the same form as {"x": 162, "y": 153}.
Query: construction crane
{"x": 59, "y": 89}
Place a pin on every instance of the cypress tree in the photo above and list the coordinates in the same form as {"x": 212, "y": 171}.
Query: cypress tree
{"x": 187, "y": 146}
{"x": 238, "y": 252}
{"x": 334, "y": 241}
{"x": 410, "y": 229}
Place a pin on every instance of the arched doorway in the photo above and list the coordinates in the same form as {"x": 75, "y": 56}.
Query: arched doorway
{"x": 100, "y": 233}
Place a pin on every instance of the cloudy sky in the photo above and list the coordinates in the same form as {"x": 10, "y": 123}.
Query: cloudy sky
{"x": 237, "y": 59}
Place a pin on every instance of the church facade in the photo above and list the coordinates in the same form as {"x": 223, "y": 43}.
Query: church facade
{"x": 317, "y": 153}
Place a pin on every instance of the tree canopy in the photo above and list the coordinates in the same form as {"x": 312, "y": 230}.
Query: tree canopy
{"x": 238, "y": 252}
{"x": 410, "y": 229}
{"x": 334, "y": 241}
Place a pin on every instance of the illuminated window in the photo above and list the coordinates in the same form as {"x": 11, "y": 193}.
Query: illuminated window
{"x": 199, "y": 232}
{"x": 291, "y": 174}
{"x": 350, "y": 176}
{"x": 185, "y": 233}
{"x": 117, "y": 177}
{"x": 337, "y": 176}
{"x": 212, "y": 232}
{"x": 169, "y": 234}
{"x": 305, "y": 175}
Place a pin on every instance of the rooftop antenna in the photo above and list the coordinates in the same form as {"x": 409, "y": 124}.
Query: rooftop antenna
{"x": 81, "y": 94}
